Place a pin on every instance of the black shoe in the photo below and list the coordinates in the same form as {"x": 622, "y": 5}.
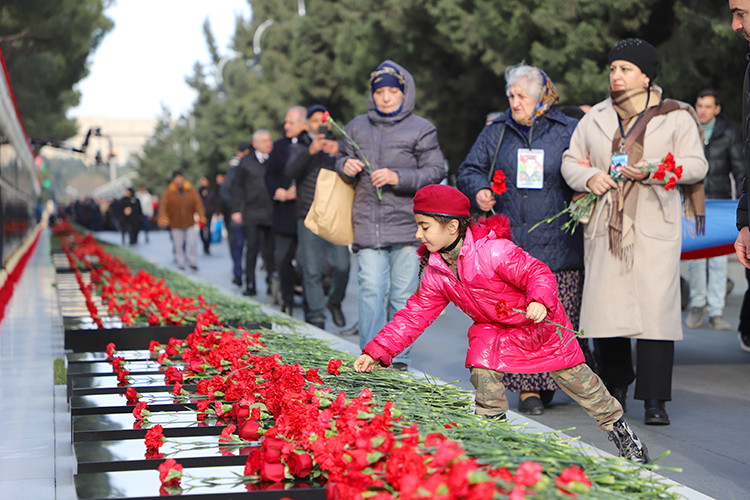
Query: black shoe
{"x": 745, "y": 341}
{"x": 319, "y": 324}
{"x": 194, "y": 268}
{"x": 249, "y": 292}
{"x": 656, "y": 412}
{"x": 531, "y": 406}
{"x": 237, "y": 281}
{"x": 354, "y": 330}
{"x": 401, "y": 367}
{"x": 337, "y": 315}
{"x": 628, "y": 443}
{"x": 287, "y": 308}
{"x": 546, "y": 397}
{"x": 620, "y": 394}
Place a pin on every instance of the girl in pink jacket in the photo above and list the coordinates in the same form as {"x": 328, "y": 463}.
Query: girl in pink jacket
{"x": 480, "y": 270}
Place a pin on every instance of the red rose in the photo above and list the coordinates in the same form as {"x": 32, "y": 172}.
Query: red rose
{"x": 273, "y": 448}
{"x": 249, "y": 430}
{"x": 271, "y": 471}
{"x": 300, "y": 464}
{"x": 252, "y": 466}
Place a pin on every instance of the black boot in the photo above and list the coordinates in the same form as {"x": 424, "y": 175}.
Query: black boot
{"x": 628, "y": 443}
{"x": 656, "y": 412}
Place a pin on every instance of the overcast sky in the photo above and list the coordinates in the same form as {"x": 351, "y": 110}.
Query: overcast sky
{"x": 142, "y": 63}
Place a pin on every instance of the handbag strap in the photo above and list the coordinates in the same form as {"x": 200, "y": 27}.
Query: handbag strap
{"x": 494, "y": 156}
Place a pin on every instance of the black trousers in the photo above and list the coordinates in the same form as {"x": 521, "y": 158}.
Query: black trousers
{"x": 285, "y": 247}
{"x": 653, "y": 371}
{"x": 744, "y": 327}
{"x": 258, "y": 238}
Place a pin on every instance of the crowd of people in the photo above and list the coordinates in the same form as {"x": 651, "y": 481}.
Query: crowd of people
{"x": 616, "y": 276}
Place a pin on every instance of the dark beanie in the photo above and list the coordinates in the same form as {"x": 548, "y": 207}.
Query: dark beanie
{"x": 441, "y": 200}
{"x": 639, "y": 52}
{"x": 386, "y": 75}
{"x": 314, "y": 109}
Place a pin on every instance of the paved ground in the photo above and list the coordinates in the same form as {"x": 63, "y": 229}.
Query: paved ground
{"x": 708, "y": 438}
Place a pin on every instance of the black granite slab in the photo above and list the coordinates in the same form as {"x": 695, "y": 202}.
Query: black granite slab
{"x": 114, "y": 426}
{"x": 97, "y": 404}
{"x": 196, "y": 484}
{"x": 100, "y": 357}
{"x": 124, "y": 338}
{"x": 130, "y": 454}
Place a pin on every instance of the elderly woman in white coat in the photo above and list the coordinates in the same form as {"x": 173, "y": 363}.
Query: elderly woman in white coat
{"x": 633, "y": 239}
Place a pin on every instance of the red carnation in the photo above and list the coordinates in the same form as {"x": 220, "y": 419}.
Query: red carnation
{"x": 325, "y": 117}
{"x": 140, "y": 411}
{"x": 528, "y": 473}
{"x": 671, "y": 183}
{"x": 502, "y": 308}
{"x": 572, "y": 479}
{"x": 132, "y": 395}
{"x": 333, "y": 366}
{"x": 170, "y": 473}
{"x": 155, "y": 438}
{"x": 498, "y": 182}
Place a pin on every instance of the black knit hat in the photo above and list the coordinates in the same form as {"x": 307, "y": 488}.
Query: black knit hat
{"x": 639, "y": 52}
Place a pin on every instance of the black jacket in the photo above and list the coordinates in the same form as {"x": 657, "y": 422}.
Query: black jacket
{"x": 284, "y": 220}
{"x": 249, "y": 194}
{"x": 742, "y": 204}
{"x": 303, "y": 168}
{"x": 725, "y": 158}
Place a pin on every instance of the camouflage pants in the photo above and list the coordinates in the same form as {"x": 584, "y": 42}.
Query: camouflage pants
{"x": 579, "y": 382}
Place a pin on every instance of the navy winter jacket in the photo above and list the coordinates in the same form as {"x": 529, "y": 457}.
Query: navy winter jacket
{"x": 525, "y": 207}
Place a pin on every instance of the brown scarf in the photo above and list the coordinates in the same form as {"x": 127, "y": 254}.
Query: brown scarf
{"x": 629, "y": 104}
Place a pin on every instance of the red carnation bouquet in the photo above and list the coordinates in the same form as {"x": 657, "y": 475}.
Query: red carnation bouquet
{"x": 581, "y": 209}
{"x": 498, "y": 182}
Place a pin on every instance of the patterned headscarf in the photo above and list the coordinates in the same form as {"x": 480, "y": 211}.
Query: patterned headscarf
{"x": 549, "y": 98}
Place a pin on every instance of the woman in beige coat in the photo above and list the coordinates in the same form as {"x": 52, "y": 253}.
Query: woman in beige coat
{"x": 632, "y": 242}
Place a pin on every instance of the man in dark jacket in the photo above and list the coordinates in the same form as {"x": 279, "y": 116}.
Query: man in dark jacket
{"x": 284, "y": 193}
{"x": 726, "y": 163}
{"x": 251, "y": 209}
{"x": 740, "y": 10}
{"x": 130, "y": 215}
{"x": 305, "y": 161}
{"x": 235, "y": 233}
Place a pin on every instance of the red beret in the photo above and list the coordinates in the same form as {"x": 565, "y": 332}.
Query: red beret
{"x": 442, "y": 200}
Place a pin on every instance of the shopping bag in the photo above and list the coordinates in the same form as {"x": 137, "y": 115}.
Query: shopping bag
{"x": 330, "y": 215}
{"x": 217, "y": 225}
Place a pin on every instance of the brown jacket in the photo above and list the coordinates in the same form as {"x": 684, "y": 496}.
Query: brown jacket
{"x": 177, "y": 208}
{"x": 643, "y": 302}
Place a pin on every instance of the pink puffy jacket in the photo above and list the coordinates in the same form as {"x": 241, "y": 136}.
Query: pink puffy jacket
{"x": 491, "y": 268}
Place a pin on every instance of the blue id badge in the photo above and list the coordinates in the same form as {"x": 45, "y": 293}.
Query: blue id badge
{"x": 619, "y": 160}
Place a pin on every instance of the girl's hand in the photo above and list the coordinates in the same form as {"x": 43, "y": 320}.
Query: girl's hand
{"x": 365, "y": 363}
{"x": 536, "y": 312}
